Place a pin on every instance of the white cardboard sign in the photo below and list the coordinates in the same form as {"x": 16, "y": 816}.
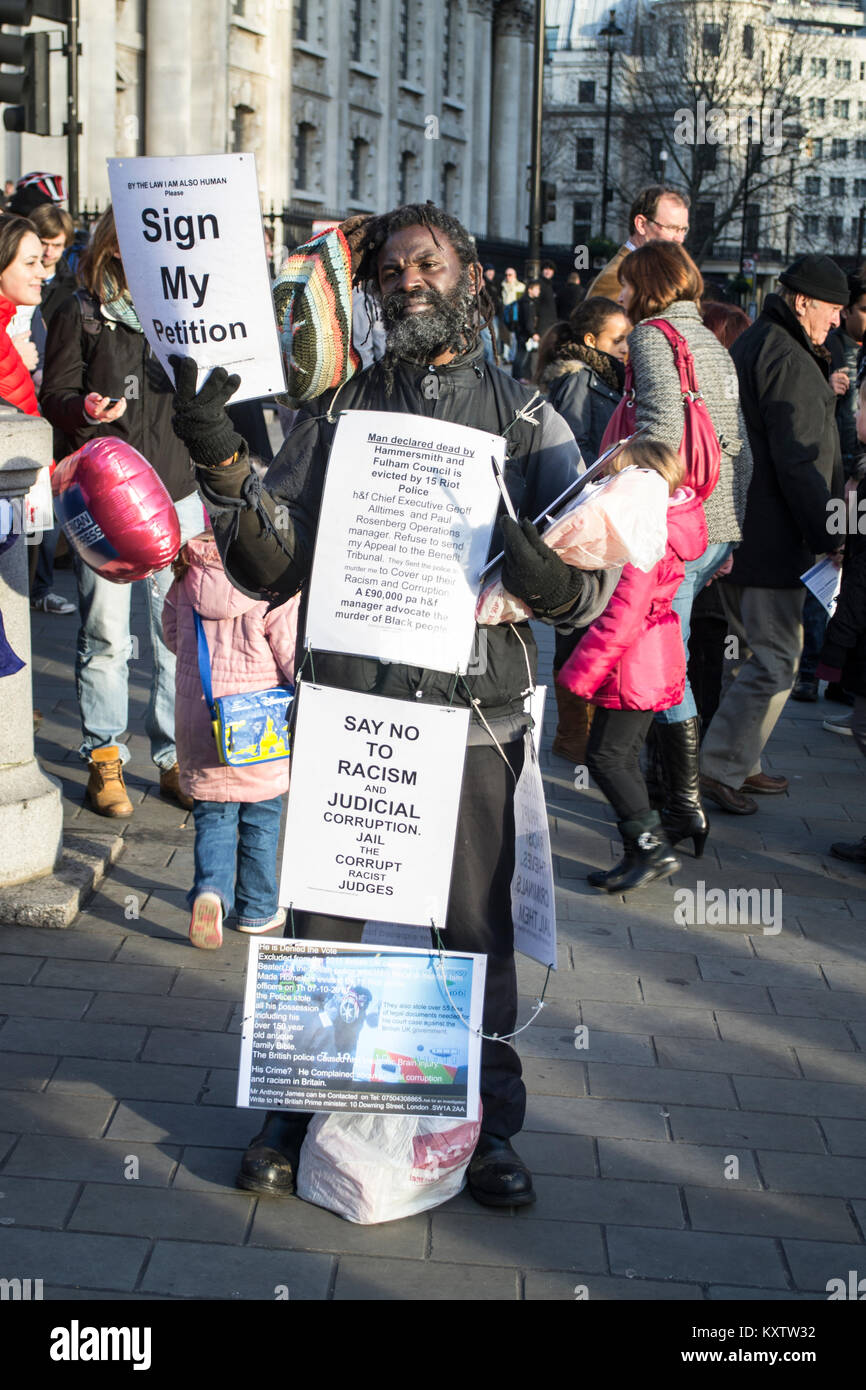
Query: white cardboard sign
{"x": 404, "y": 530}
{"x": 373, "y": 804}
{"x": 192, "y": 244}
{"x": 533, "y": 900}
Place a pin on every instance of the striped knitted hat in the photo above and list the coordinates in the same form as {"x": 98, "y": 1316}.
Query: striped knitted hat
{"x": 313, "y": 302}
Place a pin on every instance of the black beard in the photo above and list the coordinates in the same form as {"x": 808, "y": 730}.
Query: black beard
{"x": 445, "y": 327}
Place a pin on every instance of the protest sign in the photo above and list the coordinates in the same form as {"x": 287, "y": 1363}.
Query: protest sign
{"x": 404, "y": 529}
{"x": 533, "y": 901}
{"x": 373, "y": 805}
{"x": 330, "y": 1026}
{"x": 192, "y": 244}
{"x": 396, "y": 934}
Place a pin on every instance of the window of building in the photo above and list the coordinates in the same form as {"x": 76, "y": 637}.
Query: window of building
{"x": 748, "y": 41}
{"x": 818, "y": 67}
{"x": 861, "y": 110}
{"x": 586, "y": 93}
{"x": 703, "y": 223}
{"x": 585, "y": 152}
{"x": 303, "y": 150}
{"x": 835, "y": 229}
{"x": 794, "y": 105}
{"x": 860, "y": 188}
{"x": 860, "y": 149}
{"x": 795, "y": 66}
{"x": 405, "y": 17}
{"x": 551, "y": 41}
{"x": 837, "y": 188}
{"x": 239, "y": 7}
{"x": 843, "y": 69}
{"x": 712, "y": 39}
{"x": 356, "y": 22}
{"x": 449, "y": 47}
{"x": 863, "y": 72}
{"x": 839, "y": 149}
{"x": 358, "y": 168}
{"x": 855, "y": 228}
{"x": 817, "y": 147}
{"x": 407, "y": 177}
{"x": 841, "y": 109}
{"x": 675, "y": 40}
{"x": 817, "y": 107}
{"x": 242, "y": 129}
{"x": 581, "y": 224}
{"x": 302, "y": 20}
{"x": 449, "y": 186}
{"x": 812, "y": 187}
{"x": 706, "y": 157}
{"x": 812, "y": 226}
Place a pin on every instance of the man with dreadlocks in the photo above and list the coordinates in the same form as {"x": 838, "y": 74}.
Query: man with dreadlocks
{"x": 422, "y": 267}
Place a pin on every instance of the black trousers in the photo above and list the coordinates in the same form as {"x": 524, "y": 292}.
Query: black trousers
{"x": 479, "y": 920}
{"x": 613, "y": 758}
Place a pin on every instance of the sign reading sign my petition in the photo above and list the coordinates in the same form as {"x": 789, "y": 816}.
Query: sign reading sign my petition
{"x": 192, "y": 245}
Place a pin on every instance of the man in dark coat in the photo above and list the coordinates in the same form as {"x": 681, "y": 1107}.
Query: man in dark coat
{"x": 790, "y": 412}
{"x": 423, "y": 267}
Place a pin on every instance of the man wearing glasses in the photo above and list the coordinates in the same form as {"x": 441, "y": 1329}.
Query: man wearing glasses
{"x": 658, "y": 213}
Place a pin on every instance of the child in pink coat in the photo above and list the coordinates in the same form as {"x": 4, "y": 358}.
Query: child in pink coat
{"x": 631, "y": 662}
{"x": 236, "y": 809}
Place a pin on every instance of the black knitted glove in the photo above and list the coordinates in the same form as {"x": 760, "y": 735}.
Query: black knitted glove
{"x": 533, "y": 572}
{"x": 200, "y": 421}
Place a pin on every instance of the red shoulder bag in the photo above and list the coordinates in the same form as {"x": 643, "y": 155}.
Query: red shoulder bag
{"x": 699, "y": 448}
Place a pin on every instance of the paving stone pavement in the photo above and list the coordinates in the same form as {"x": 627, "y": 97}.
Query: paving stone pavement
{"x": 702, "y": 1137}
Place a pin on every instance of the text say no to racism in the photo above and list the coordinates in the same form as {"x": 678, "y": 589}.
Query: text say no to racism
{"x": 185, "y": 232}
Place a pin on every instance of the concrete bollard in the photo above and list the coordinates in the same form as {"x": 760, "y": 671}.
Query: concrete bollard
{"x": 31, "y": 811}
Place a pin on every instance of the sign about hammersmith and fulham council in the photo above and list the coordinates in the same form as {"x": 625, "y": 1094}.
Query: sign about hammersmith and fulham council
{"x": 191, "y": 240}
{"x": 404, "y": 530}
{"x": 373, "y": 803}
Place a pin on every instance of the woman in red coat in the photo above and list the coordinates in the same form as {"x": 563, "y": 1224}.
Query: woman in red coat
{"x": 630, "y": 663}
{"x": 21, "y": 276}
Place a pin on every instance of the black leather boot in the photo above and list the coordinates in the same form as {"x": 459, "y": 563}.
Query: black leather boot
{"x": 611, "y": 878}
{"x": 683, "y": 815}
{"x": 270, "y": 1164}
{"x": 648, "y": 856}
{"x": 497, "y": 1176}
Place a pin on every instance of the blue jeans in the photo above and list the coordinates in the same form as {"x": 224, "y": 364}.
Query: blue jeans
{"x": 815, "y": 620}
{"x": 696, "y": 576}
{"x": 105, "y": 647}
{"x": 43, "y": 576}
{"x": 238, "y": 837}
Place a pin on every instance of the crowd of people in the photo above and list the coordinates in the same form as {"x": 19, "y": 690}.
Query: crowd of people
{"x": 753, "y": 429}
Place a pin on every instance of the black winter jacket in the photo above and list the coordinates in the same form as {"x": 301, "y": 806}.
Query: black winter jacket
{"x": 541, "y": 460}
{"x": 790, "y": 413}
{"x": 84, "y": 353}
{"x": 845, "y": 638}
{"x": 585, "y": 402}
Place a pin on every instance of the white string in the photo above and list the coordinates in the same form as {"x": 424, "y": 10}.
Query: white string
{"x": 479, "y": 1032}
{"x": 528, "y": 411}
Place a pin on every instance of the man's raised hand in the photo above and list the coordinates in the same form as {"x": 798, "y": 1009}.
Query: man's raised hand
{"x": 200, "y": 418}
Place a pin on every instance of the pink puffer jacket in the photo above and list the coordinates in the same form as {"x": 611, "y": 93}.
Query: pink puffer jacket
{"x": 632, "y": 657}
{"x": 250, "y": 649}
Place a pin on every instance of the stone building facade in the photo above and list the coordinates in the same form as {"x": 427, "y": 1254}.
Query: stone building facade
{"x": 348, "y": 105}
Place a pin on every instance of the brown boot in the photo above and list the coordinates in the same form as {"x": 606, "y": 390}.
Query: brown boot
{"x": 169, "y": 787}
{"x": 106, "y": 790}
{"x": 572, "y": 732}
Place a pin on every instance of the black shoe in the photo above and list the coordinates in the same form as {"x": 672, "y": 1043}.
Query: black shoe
{"x": 270, "y": 1164}
{"x": 497, "y": 1176}
{"x": 839, "y": 696}
{"x": 683, "y": 816}
{"x": 855, "y": 854}
{"x": 647, "y": 855}
{"x": 612, "y": 878}
{"x": 805, "y": 689}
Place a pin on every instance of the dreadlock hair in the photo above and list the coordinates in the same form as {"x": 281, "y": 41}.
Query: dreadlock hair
{"x": 435, "y": 219}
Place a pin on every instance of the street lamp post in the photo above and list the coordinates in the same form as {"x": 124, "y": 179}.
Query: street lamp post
{"x": 610, "y": 32}
{"x": 533, "y": 267}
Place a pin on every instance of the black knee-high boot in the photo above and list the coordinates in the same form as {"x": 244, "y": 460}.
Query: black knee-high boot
{"x": 683, "y": 815}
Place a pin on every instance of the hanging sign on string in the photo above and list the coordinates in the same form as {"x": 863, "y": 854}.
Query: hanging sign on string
{"x": 330, "y": 1026}
{"x": 533, "y": 900}
{"x": 193, "y": 249}
{"x": 404, "y": 529}
{"x": 373, "y": 804}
